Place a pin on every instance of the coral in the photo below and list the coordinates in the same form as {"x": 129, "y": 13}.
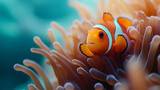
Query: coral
{"x": 137, "y": 69}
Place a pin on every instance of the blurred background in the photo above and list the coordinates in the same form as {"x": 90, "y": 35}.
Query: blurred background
{"x": 20, "y": 21}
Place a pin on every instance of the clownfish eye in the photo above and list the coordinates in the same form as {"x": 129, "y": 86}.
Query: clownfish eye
{"x": 101, "y": 35}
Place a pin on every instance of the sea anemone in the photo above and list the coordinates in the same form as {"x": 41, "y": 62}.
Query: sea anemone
{"x": 138, "y": 68}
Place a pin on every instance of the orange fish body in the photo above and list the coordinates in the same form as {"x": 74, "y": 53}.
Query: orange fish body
{"x": 106, "y": 36}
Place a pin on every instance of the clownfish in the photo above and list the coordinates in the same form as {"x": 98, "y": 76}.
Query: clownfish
{"x": 106, "y": 35}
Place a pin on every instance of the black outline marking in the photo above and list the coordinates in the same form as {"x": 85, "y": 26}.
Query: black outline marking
{"x": 82, "y": 52}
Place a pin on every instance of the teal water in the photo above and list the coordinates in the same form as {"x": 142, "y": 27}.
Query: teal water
{"x": 20, "y": 21}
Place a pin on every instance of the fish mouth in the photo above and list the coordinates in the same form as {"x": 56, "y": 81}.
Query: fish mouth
{"x": 91, "y": 43}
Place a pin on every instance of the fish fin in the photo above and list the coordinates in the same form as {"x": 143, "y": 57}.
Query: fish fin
{"x": 120, "y": 44}
{"x": 125, "y": 22}
{"x": 107, "y": 16}
{"x": 85, "y": 50}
